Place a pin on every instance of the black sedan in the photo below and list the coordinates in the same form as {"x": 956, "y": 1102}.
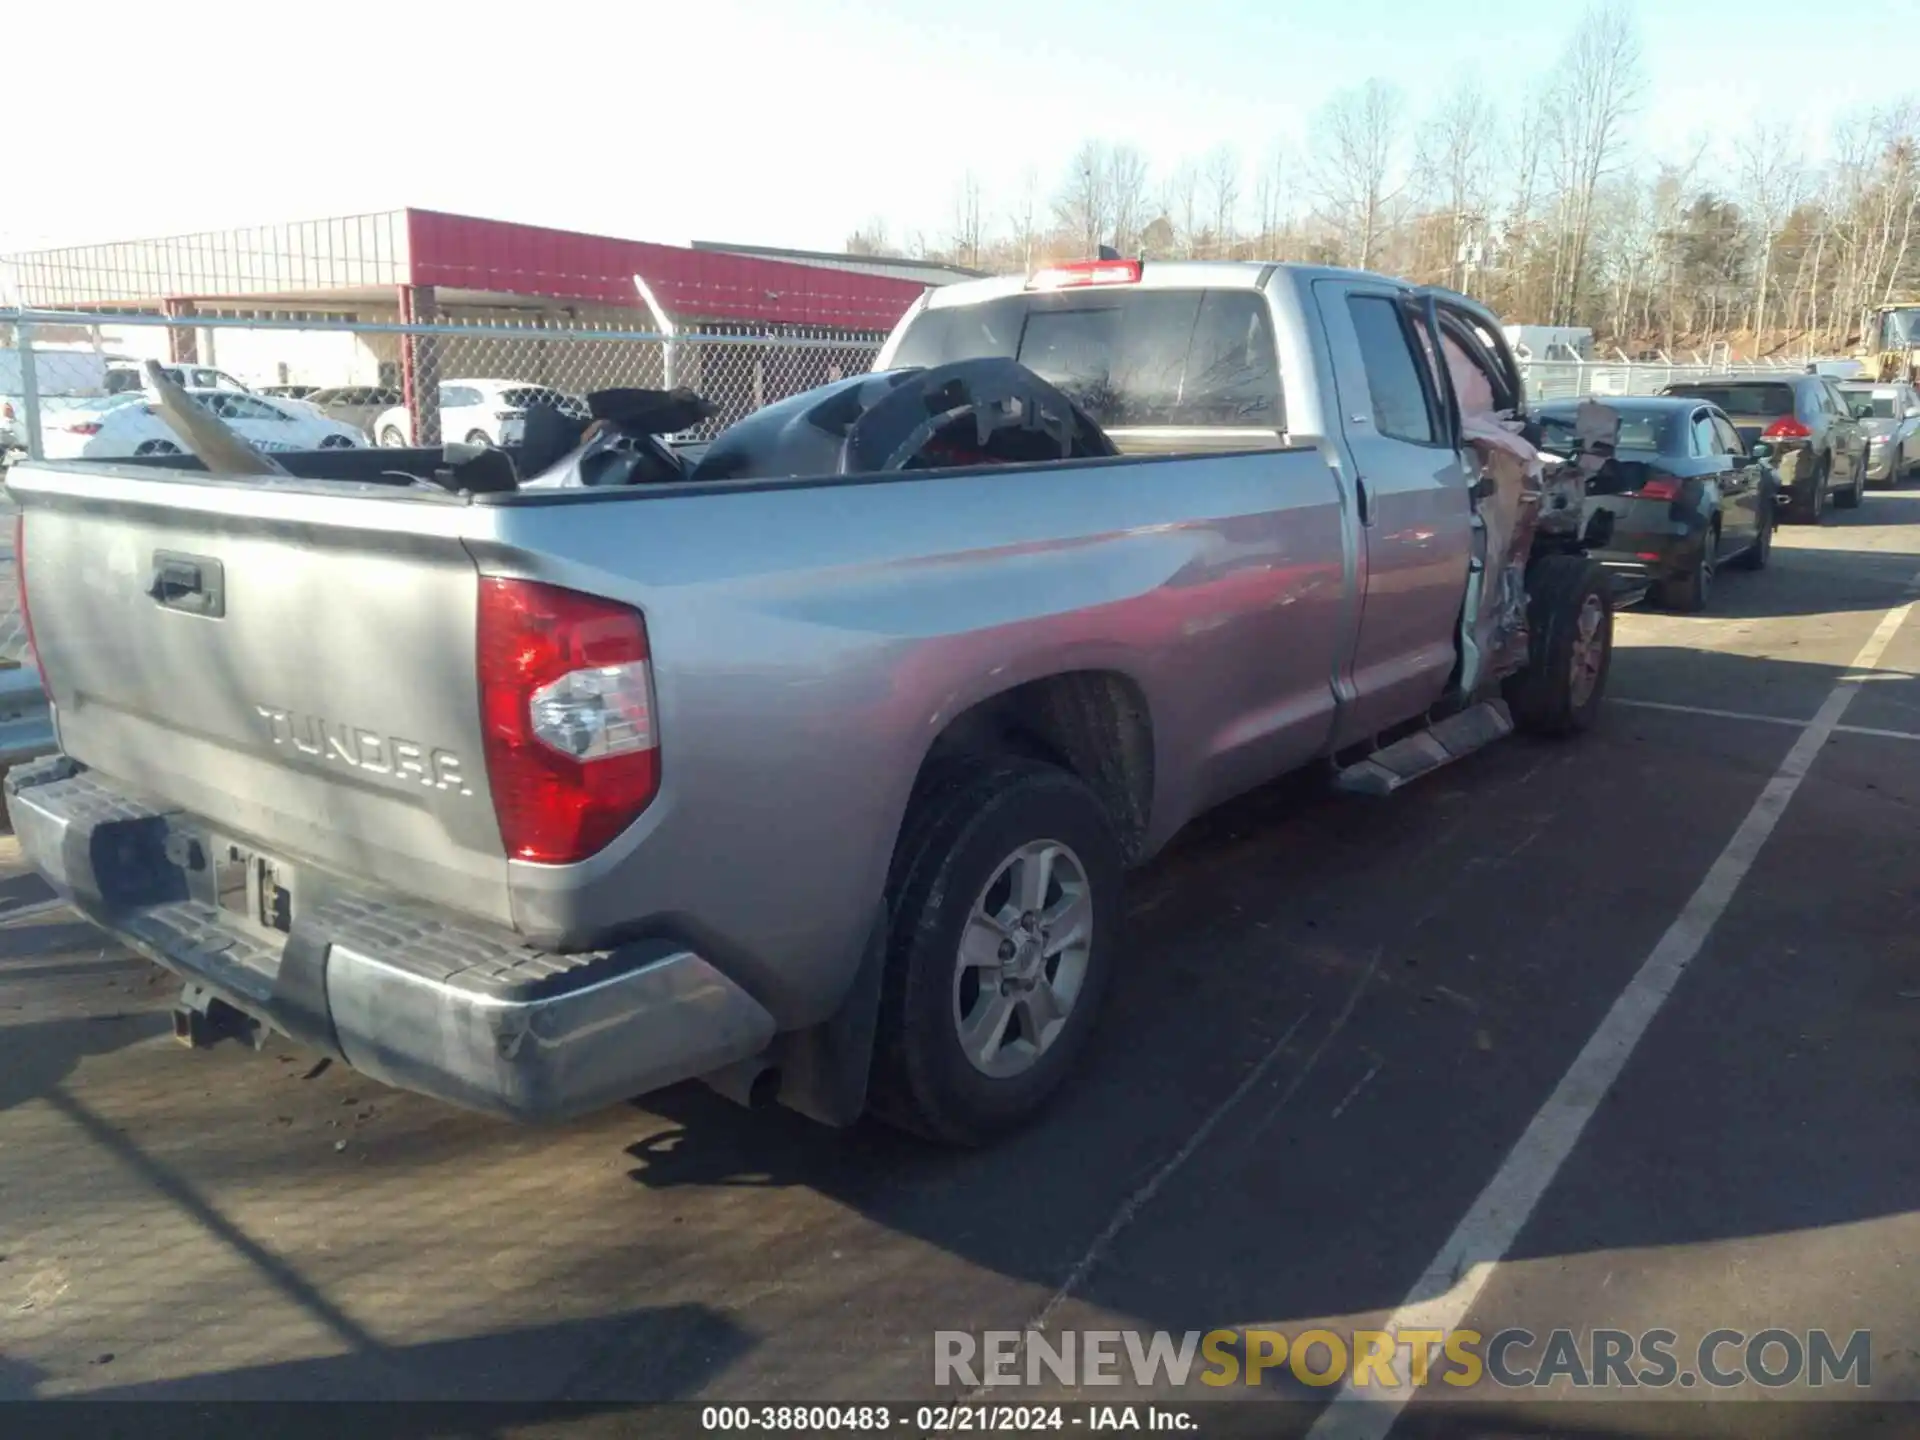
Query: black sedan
{"x": 1685, "y": 493}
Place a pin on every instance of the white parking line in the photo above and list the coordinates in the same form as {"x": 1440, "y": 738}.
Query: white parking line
{"x": 1442, "y": 1296}
{"x": 1710, "y": 713}
{"x": 1762, "y": 719}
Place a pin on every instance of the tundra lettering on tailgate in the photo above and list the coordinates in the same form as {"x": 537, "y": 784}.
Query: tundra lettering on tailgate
{"x": 365, "y": 750}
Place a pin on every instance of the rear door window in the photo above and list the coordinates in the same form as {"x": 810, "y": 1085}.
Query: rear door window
{"x": 1765, "y": 400}
{"x": 1401, "y": 407}
{"x": 1703, "y": 436}
{"x": 1727, "y": 438}
{"x": 1173, "y": 359}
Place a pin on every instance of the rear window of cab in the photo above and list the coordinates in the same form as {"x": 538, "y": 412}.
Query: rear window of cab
{"x": 1186, "y": 359}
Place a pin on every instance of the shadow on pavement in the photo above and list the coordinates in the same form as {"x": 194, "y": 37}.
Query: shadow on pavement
{"x": 1389, "y": 989}
{"x": 41, "y": 1054}
{"x": 682, "y": 1347}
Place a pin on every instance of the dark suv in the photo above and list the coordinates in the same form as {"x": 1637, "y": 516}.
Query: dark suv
{"x": 1808, "y": 430}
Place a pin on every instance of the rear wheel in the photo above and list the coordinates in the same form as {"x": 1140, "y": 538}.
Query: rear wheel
{"x": 479, "y": 438}
{"x": 1004, "y": 905}
{"x": 392, "y": 439}
{"x": 1570, "y": 646}
{"x": 157, "y": 447}
{"x": 336, "y": 442}
{"x": 1692, "y": 591}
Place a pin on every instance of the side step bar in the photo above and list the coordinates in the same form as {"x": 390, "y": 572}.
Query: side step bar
{"x": 1441, "y": 743}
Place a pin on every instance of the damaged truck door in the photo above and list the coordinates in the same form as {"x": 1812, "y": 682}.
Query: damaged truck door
{"x": 1409, "y": 489}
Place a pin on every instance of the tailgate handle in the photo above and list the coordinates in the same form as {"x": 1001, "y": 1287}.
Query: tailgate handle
{"x": 192, "y": 583}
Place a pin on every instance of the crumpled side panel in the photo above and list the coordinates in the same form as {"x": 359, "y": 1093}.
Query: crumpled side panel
{"x": 1514, "y": 486}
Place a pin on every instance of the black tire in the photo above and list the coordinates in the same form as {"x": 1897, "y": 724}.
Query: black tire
{"x": 960, "y": 830}
{"x": 392, "y": 439}
{"x": 1756, "y": 555}
{"x": 1693, "y": 591}
{"x": 336, "y": 442}
{"x": 1850, "y": 498}
{"x": 479, "y": 438}
{"x": 156, "y": 447}
{"x": 1544, "y": 697}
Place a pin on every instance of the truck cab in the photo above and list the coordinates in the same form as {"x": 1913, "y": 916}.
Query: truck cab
{"x": 1225, "y": 357}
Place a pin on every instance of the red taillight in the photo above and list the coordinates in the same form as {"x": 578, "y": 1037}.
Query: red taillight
{"x": 1086, "y": 272}
{"x": 1660, "y": 488}
{"x": 6, "y": 410}
{"x": 566, "y": 708}
{"x": 85, "y": 427}
{"x": 20, "y": 583}
{"x": 1786, "y": 428}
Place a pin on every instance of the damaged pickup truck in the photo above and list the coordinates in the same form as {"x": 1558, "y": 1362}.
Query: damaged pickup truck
{"x": 808, "y": 763}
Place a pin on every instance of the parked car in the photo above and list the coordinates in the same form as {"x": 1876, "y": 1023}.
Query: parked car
{"x": 357, "y": 405}
{"x": 126, "y": 377}
{"x": 1890, "y": 414}
{"x": 1819, "y": 447}
{"x": 479, "y": 412}
{"x": 61, "y": 375}
{"x": 287, "y": 392}
{"x": 814, "y": 772}
{"x": 1684, "y": 493}
{"x": 118, "y": 426}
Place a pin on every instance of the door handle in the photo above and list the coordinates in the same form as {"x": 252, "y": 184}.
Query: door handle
{"x": 190, "y": 583}
{"x": 1360, "y": 499}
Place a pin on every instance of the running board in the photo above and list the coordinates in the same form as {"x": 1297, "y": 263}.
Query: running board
{"x": 1385, "y": 771}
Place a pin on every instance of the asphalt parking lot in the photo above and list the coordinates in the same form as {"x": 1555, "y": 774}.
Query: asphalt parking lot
{"x": 1338, "y": 1021}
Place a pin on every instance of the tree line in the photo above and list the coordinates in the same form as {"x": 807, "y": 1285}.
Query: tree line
{"x": 1541, "y": 208}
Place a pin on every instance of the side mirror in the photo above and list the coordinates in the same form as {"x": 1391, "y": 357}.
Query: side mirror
{"x": 1741, "y": 462}
{"x": 1863, "y": 410}
{"x": 1760, "y": 450}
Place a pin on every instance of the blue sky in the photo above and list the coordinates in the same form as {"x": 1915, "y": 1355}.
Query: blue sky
{"x": 788, "y": 121}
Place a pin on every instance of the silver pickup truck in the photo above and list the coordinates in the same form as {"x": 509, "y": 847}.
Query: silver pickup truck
{"x": 811, "y": 767}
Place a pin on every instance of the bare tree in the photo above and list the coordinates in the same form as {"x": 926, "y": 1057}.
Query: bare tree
{"x": 1222, "y": 178}
{"x": 969, "y": 222}
{"x": 1457, "y": 153}
{"x": 1127, "y": 196}
{"x": 1025, "y": 218}
{"x": 1358, "y": 141}
{"x": 1597, "y": 90}
{"x": 869, "y": 239}
{"x": 1271, "y": 188}
{"x": 1084, "y": 203}
{"x": 1182, "y": 202}
{"x": 1771, "y": 176}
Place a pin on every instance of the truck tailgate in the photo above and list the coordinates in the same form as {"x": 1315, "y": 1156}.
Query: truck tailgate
{"x": 295, "y": 667}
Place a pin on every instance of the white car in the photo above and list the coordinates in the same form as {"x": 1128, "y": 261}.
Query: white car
{"x": 113, "y": 427}
{"x": 478, "y": 412}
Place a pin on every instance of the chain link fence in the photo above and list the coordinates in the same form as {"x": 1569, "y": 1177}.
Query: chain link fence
{"x": 391, "y": 384}
{"x": 1570, "y": 379}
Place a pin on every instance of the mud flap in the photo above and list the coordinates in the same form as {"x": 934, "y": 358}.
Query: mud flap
{"x": 824, "y": 1069}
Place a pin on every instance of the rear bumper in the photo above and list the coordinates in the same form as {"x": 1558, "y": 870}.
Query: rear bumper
{"x": 408, "y": 995}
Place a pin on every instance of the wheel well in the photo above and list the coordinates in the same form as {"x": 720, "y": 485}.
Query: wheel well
{"x": 1093, "y": 723}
